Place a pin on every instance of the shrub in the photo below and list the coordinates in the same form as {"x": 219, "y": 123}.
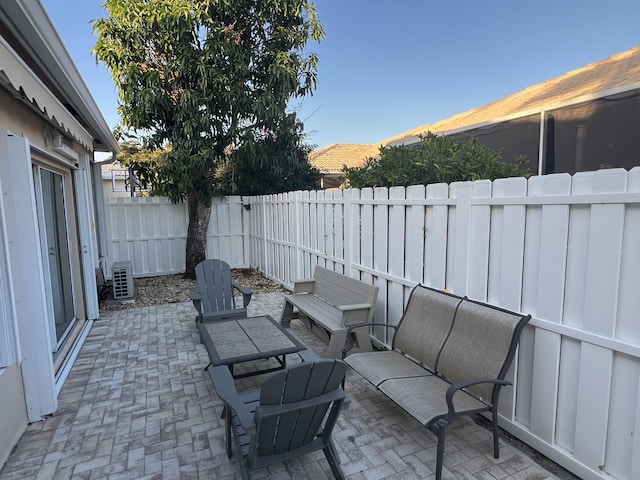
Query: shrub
{"x": 437, "y": 159}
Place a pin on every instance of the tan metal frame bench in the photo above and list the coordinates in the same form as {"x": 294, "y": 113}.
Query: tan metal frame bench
{"x": 449, "y": 357}
{"x": 333, "y": 302}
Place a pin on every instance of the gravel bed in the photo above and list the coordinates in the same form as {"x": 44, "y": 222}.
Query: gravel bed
{"x": 175, "y": 289}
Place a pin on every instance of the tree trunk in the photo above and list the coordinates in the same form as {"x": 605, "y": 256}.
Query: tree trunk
{"x": 199, "y": 215}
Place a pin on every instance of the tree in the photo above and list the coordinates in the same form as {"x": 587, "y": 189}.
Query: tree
{"x": 208, "y": 77}
{"x": 275, "y": 164}
{"x": 437, "y": 159}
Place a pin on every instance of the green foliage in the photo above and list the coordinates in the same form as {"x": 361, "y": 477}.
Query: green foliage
{"x": 206, "y": 76}
{"x": 239, "y": 177}
{"x": 277, "y": 162}
{"x": 437, "y": 159}
{"x": 145, "y": 163}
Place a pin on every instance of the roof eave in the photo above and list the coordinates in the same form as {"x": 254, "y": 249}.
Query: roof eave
{"x": 38, "y": 36}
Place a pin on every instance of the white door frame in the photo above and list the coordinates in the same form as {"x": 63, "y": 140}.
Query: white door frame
{"x": 88, "y": 241}
{"x": 27, "y": 276}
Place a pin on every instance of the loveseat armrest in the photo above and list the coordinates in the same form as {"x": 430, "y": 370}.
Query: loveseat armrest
{"x": 349, "y": 343}
{"x": 456, "y": 387}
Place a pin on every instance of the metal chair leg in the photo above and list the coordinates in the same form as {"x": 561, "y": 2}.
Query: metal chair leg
{"x": 440, "y": 452}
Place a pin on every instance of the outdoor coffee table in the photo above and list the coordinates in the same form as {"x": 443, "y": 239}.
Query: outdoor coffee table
{"x": 240, "y": 340}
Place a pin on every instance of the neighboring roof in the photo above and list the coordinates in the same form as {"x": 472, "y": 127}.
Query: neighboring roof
{"x": 331, "y": 159}
{"x": 31, "y": 28}
{"x": 615, "y": 75}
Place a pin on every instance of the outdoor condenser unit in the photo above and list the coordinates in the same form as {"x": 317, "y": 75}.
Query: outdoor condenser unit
{"x": 122, "y": 280}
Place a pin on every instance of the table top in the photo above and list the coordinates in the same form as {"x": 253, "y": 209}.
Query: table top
{"x": 244, "y": 339}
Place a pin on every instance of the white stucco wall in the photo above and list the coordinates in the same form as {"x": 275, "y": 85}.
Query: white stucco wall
{"x": 13, "y": 415}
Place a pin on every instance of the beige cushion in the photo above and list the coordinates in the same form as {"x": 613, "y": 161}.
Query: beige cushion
{"x": 478, "y": 345}
{"x": 425, "y": 324}
{"x": 379, "y": 366}
{"x": 424, "y": 398}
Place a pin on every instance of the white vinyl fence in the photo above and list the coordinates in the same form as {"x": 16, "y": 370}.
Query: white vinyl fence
{"x": 152, "y": 234}
{"x": 565, "y": 249}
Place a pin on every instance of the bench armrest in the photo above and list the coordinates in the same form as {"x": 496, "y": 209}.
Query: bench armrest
{"x": 246, "y": 293}
{"x": 349, "y": 343}
{"x": 456, "y": 387}
{"x": 354, "y": 306}
{"x": 354, "y": 317}
{"x": 304, "y": 285}
{"x": 226, "y": 390}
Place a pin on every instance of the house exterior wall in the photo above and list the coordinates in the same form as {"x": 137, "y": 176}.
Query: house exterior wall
{"x": 18, "y": 119}
{"x": 121, "y": 189}
{"x": 30, "y": 382}
{"x": 13, "y": 417}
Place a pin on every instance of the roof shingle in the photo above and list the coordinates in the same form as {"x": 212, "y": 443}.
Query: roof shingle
{"x": 617, "y": 74}
{"x": 330, "y": 159}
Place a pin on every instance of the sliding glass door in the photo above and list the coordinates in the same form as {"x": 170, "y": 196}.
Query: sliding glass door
{"x": 56, "y": 250}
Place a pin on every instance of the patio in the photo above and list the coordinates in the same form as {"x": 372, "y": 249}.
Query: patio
{"x": 138, "y": 405}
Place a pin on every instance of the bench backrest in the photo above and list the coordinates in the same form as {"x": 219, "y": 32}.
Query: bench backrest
{"x": 482, "y": 344}
{"x": 425, "y": 325}
{"x": 338, "y": 289}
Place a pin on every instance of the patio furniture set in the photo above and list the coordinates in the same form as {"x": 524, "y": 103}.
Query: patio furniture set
{"x": 449, "y": 357}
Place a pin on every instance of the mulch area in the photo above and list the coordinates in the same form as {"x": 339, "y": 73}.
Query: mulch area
{"x": 164, "y": 289}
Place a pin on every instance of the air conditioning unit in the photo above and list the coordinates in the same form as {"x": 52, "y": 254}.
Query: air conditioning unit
{"x": 122, "y": 280}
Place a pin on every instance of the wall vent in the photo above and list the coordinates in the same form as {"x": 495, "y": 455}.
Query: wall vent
{"x": 122, "y": 280}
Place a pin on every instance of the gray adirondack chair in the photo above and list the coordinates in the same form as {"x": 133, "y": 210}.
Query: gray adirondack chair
{"x": 292, "y": 414}
{"x": 214, "y": 296}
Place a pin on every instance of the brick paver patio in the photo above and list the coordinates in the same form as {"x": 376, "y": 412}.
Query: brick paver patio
{"x": 138, "y": 405}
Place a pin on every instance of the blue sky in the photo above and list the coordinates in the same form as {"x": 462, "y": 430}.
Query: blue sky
{"x": 388, "y": 67}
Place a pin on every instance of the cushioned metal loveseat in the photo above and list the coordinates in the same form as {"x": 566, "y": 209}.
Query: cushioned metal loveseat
{"x": 449, "y": 357}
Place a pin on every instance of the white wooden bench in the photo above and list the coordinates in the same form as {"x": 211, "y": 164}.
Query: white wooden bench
{"x": 449, "y": 357}
{"x": 333, "y": 302}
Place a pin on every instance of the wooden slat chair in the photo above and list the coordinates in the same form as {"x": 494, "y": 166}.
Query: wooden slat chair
{"x": 214, "y": 296}
{"x": 292, "y": 414}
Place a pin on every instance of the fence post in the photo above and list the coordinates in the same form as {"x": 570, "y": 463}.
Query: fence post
{"x": 297, "y": 216}
{"x": 349, "y": 233}
{"x": 477, "y": 286}
{"x": 246, "y": 255}
{"x": 265, "y": 251}
{"x": 462, "y": 222}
